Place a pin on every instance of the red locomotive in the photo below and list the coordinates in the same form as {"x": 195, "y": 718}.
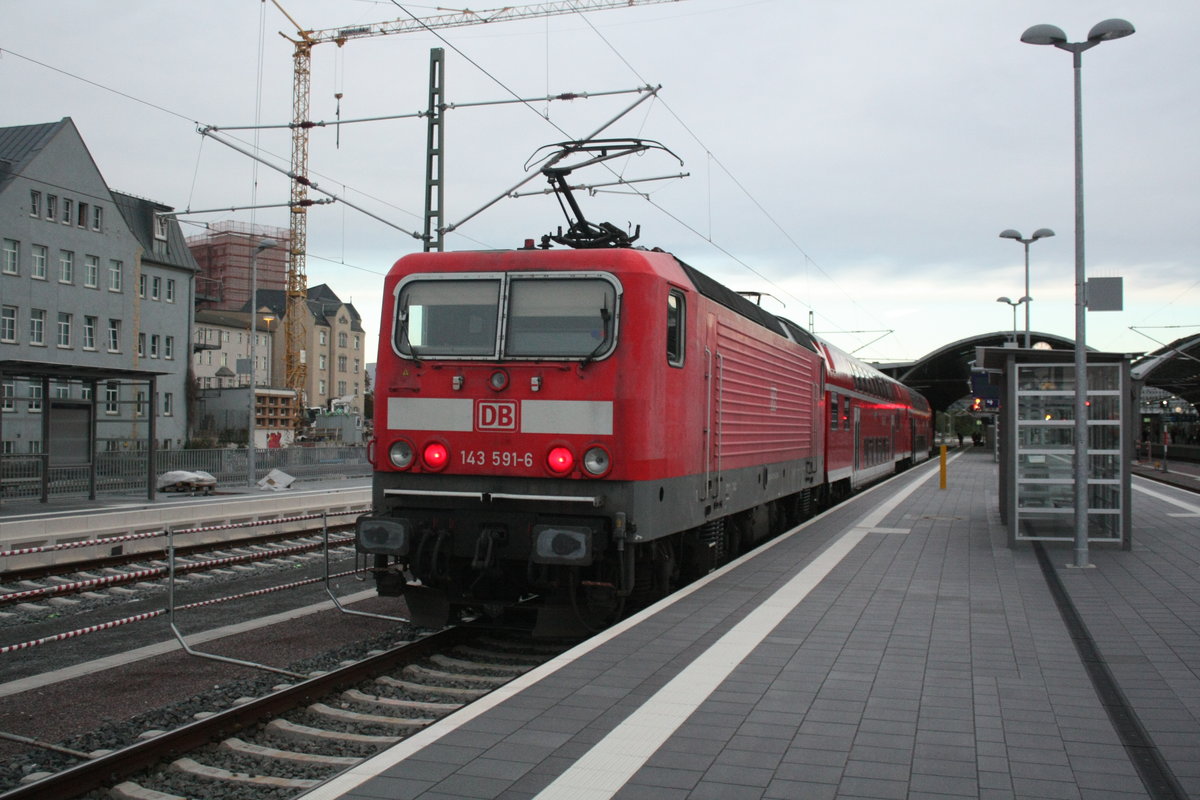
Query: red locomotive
{"x": 585, "y": 429}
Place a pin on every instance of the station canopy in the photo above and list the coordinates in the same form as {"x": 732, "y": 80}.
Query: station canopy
{"x": 1174, "y": 368}
{"x": 944, "y": 376}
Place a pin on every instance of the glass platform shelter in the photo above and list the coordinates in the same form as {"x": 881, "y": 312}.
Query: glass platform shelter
{"x": 1037, "y": 444}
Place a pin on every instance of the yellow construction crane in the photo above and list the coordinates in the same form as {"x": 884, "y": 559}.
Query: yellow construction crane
{"x": 297, "y": 282}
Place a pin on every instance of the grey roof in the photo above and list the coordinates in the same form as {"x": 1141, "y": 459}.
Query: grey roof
{"x": 322, "y": 303}
{"x": 139, "y": 215}
{"x": 20, "y": 143}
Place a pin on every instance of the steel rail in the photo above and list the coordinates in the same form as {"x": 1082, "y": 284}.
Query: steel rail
{"x": 116, "y": 766}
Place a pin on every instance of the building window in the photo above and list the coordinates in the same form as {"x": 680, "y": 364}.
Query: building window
{"x": 68, "y": 207}
{"x": 37, "y": 326}
{"x": 154, "y": 341}
{"x": 324, "y": 338}
{"x": 114, "y": 336}
{"x": 321, "y": 358}
{"x": 12, "y": 257}
{"x": 81, "y": 219}
{"x": 91, "y": 271}
{"x": 85, "y": 391}
{"x": 141, "y": 347}
{"x": 139, "y": 410}
{"x": 114, "y": 275}
{"x": 342, "y": 339}
{"x": 110, "y": 398}
{"x": 160, "y": 227}
{"x": 66, "y": 266}
{"x": 35, "y": 203}
{"x": 342, "y": 365}
{"x": 357, "y": 366}
{"x": 40, "y": 257}
{"x": 89, "y": 333}
{"x": 64, "y": 329}
{"x": 341, "y": 388}
{"x": 8, "y": 391}
{"x": 8, "y": 324}
{"x": 155, "y": 287}
{"x": 35, "y": 398}
{"x": 321, "y": 387}
{"x": 51, "y": 206}
{"x": 170, "y": 290}
{"x": 356, "y": 342}
{"x": 168, "y": 404}
{"x": 141, "y": 285}
{"x": 62, "y": 389}
{"x": 169, "y": 347}
{"x": 97, "y": 218}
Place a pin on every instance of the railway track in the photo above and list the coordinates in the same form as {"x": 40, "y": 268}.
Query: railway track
{"x": 287, "y": 741}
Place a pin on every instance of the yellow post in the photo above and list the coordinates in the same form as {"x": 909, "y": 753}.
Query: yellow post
{"x": 942, "y": 484}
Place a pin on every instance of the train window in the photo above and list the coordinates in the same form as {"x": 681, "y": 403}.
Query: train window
{"x": 447, "y": 318}
{"x": 675, "y": 327}
{"x": 560, "y": 317}
{"x": 845, "y": 413}
{"x": 833, "y": 411}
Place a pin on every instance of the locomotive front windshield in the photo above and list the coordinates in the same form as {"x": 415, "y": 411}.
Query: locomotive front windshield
{"x": 543, "y": 317}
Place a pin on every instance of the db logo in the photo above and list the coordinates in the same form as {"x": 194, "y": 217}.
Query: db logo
{"x": 495, "y": 416}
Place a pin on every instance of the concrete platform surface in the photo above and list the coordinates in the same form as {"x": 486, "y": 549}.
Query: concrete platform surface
{"x": 894, "y": 647}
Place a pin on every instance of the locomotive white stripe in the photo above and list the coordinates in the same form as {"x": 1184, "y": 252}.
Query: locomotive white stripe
{"x": 453, "y": 414}
{"x": 567, "y": 416}
{"x": 430, "y": 413}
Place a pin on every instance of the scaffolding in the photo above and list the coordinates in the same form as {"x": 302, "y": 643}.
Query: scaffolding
{"x": 225, "y": 252}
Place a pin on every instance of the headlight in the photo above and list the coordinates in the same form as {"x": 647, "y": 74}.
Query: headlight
{"x": 385, "y": 537}
{"x": 562, "y": 544}
{"x": 597, "y": 462}
{"x": 401, "y": 454}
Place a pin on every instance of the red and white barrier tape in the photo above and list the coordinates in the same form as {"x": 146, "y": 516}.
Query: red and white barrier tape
{"x": 91, "y": 583}
{"x": 25, "y": 551}
{"x": 59, "y": 637}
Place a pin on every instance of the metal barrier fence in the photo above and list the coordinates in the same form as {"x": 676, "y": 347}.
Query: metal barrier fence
{"x": 125, "y": 471}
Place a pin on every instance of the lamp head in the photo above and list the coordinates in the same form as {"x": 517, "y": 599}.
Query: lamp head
{"x": 1045, "y": 34}
{"x": 1010, "y": 234}
{"x": 266, "y": 244}
{"x": 1110, "y": 29}
{"x": 1042, "y": 233}
{"x": 1005, "y": 300}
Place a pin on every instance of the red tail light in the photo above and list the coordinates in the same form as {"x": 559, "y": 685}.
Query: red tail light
{"x": 560, "y": 460}
{"x": 435, "y": 455}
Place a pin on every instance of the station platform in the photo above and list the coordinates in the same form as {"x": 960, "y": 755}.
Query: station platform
{"x": 893, "y": 647}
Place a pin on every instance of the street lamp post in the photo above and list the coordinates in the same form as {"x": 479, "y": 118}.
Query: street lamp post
{"x": 1052, "y": 35}
{"x": 1040, "y": 233}
{"x": 251, "y": 467}
{"x": 1014, "y": 303}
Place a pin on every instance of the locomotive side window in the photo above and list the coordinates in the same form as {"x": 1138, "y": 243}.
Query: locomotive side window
{"x": 560, "y": 318}
{"x": 447, "y": 318}
{"x": 833, "y": 411}
{"x": 675, "y": 327}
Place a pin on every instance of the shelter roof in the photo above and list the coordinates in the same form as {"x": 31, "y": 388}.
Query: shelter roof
{"x": 39, "y": 369}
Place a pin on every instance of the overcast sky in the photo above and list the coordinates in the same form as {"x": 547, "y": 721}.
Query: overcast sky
{"x": 853, "y": 159}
